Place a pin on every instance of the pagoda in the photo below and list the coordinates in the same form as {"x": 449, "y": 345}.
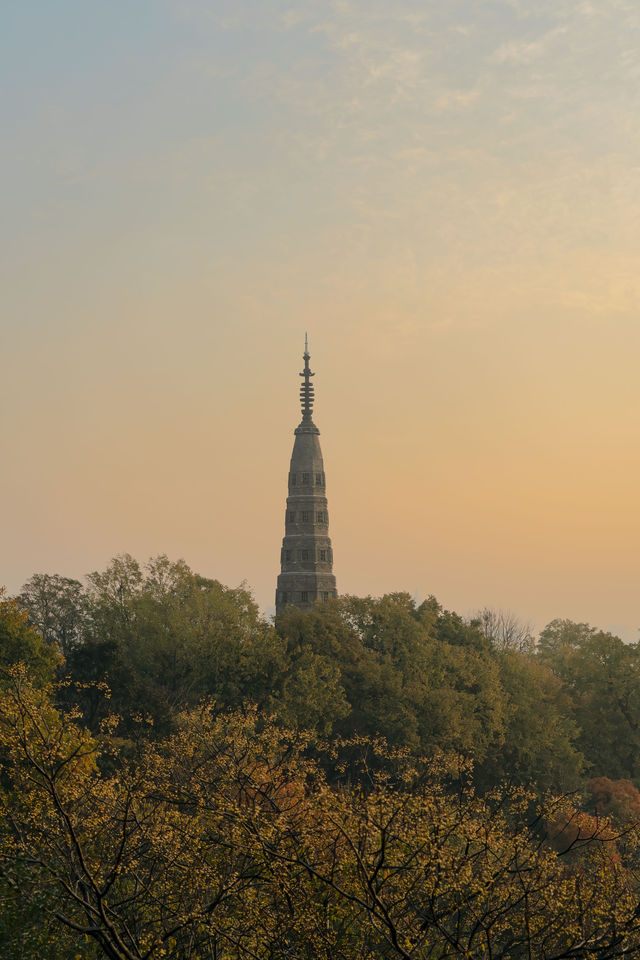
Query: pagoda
{"x": 306, "y": 562}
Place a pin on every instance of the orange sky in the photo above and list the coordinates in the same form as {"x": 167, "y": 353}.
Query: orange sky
{"x": 445, "y": 195}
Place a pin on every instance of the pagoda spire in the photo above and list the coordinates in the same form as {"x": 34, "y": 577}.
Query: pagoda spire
{"x": 306, "y": 388}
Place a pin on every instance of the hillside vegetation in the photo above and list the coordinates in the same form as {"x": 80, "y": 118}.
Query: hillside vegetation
{"x": 374, "y": 778}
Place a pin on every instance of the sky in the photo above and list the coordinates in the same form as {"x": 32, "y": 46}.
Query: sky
{"x": 445, "y": 195}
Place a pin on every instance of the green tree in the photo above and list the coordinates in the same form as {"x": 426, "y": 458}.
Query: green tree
{"x": 602, "y": 676}
{"x": 164, "y": 637}
{"x": 419, "y": 677}
{"x": 540, "y": 738}
{"x": 20, "y": 642}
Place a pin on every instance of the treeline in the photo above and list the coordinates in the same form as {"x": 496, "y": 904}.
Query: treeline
{"x": 374, "y": 779}
{"x": 556, "y": 713}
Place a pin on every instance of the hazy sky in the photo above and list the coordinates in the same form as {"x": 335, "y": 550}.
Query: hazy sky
{"x": 446, "y": 195}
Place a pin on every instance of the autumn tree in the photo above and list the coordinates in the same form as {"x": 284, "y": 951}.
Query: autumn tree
{"x": 225, "y": 839}
{"x": 617, "y": 799}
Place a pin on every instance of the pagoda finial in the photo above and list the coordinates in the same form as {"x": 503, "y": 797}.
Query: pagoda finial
{"x": 306, "y": 389}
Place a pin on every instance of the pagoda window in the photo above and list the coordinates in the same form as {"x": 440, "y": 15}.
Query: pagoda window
{"x": 320, "y": 518}
{"x": 305, "y": 516}
{"x": 325, "y": 596}
{"x": 303, "y": 554}
{"x": 292, "y": 516}
{"x": 304, "y": 596}
{"x": 306, "y": 478}
{"x": 322, "y": 556}
{"x": 318, "y": 479}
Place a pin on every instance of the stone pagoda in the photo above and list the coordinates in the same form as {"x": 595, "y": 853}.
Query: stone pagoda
{"x": 306, "y": 561}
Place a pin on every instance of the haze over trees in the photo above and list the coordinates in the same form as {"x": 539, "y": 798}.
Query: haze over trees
{"x": 375, "y": 778}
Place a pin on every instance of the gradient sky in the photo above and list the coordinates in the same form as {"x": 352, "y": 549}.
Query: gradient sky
{"x": 446, "y": 195}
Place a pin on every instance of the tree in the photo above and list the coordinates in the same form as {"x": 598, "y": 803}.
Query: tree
{"x": 426, "y": 679}
{"x": 617, "y": 799}
{"x": 601, "y": 674}
{"x": 57, "y": 607}
{"x": 20, "y": 642}
{"x": 504, "y": 629}
{"x": 164, "y": 637}
{"x": 540, "y": 736}
{"x": 225, "y": 840}
{"x": 22, "y": 930}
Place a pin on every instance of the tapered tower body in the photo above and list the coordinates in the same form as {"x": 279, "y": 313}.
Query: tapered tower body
{"x": 306, "y": 562}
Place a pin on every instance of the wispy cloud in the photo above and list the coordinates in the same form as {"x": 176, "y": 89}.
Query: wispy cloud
{"x": 523, "y": 53}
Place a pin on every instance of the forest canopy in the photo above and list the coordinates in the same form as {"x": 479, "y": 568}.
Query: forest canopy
{"x": 376, "y": 777}
{"x": 555, "y": 710}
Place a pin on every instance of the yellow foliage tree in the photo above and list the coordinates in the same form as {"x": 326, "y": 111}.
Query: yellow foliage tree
{"x": 225, "y": 840}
